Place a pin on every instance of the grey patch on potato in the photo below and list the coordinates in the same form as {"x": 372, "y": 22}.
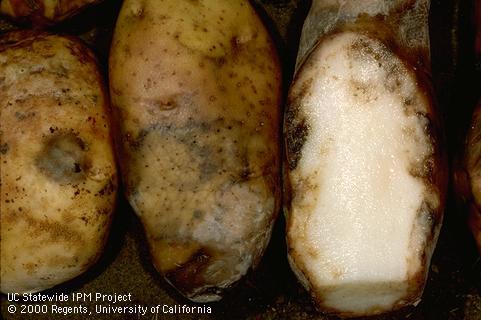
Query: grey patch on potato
{"x": 196, "y": 136}
{"x": 63, "y": 158}
{"x": 24, "y": 115}
{"x": 4, "y": 148}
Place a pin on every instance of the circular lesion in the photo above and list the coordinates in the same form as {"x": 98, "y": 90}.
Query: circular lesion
{"x": 63, "y": 158}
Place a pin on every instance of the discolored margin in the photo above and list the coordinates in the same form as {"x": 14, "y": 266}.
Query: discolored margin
{"x": 296, "y": 125}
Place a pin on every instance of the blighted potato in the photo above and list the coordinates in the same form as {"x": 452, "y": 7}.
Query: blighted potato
{"x": 196, "y": 85}
{"x": 43, "y": 11}
{"x": 58, "y": 175}
{"x": 365, "y": 175}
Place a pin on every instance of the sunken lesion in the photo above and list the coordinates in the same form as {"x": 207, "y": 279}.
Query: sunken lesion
{"x": 64, "y": 158}
{"x": 190, "y": 274}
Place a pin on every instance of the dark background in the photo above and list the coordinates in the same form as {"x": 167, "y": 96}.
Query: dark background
{"x": 453, "y": 290}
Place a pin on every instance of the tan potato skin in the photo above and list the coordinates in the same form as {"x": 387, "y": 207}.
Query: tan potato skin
{"x": 43, "y": 11}
{"x": 196, "y": 85}
{"x": 58, "y": 174}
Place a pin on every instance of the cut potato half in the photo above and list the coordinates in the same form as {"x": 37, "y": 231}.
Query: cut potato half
{"x": 365, "y": 177}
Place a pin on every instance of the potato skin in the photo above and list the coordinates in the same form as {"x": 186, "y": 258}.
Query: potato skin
{"x": 58, "y": 174}
{"x": 42, "y": 11}
{"x": 196, "y": 86}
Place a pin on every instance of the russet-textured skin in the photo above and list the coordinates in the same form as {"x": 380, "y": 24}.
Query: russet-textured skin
{"x": 43, "y": 11}
{"x": 58, "y": 174}
{"x": 196, "y": 89}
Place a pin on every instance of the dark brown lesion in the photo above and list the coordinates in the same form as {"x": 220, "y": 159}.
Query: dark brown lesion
{"x": 426, "y": 169}
{"x": 64, "y": 159}
{"x": 189, "y": 275}
{"x": 297, "y": 130}
{"x": 109, "y": 188}
{"x": 362, "y": 49}
{"x": 381, "y": 54}
{"x": 295, "y": 123}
